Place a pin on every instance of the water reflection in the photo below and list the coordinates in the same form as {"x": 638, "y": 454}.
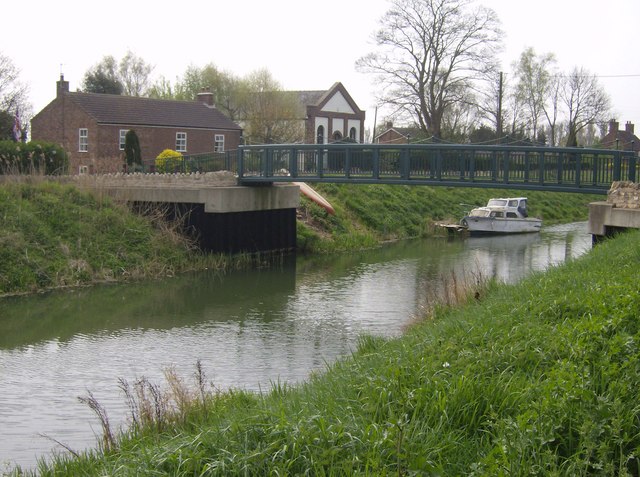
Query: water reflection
{"x": 247, "y": 328}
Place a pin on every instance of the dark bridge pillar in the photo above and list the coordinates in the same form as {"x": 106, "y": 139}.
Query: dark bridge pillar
{"x": 236, "y": 232}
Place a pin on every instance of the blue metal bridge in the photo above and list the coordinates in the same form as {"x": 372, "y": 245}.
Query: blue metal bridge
{"x": 456, "y": 165}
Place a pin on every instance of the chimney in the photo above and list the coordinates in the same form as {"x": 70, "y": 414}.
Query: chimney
{"x": 629, "y": 127}
{"x": 389, "y": 124}
{"x": 62, "y": 86}
{"x": 206, "y": 97}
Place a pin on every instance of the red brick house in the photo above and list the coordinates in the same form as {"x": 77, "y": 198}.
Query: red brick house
{"x": 330, "y": 115}
{"x": 92, "y": 127}
{"x": 398, "y": 135}
{"x": 624, "y": 140}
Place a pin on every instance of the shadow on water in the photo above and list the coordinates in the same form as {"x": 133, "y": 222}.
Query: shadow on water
{"x": 161, "y": 304}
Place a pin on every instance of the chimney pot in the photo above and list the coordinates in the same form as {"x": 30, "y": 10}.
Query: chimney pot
{"x": 629, "y": 127}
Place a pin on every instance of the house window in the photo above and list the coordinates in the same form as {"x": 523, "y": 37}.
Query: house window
{"x": 218, "y": 144}
{"x": 320, "y": 135}
{"x": 123, "y": 136}
{"x": 352, "y": 134}
{"x": 83, "y": 170}
{"x": 181, "y": 142}
{"x": 83, "y": 140}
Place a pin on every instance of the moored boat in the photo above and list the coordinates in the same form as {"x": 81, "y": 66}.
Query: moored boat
{"x": 501, "y": 216}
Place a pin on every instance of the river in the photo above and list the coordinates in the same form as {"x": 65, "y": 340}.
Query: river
{"x": 248, "y": 329}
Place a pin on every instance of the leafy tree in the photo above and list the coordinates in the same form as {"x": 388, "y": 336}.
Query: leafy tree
{"x": 270, "y": 114}
{"x": 534, "y": 75}
{"x": 103, "y": 78}
{"x": 430, "y": 53}
{"x": 132, "y": 150}
{"x": 586, "y": 103}
{"x": 133, "y": 74}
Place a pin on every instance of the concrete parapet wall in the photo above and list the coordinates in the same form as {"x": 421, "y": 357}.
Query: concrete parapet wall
{"x": 218, "y": 191}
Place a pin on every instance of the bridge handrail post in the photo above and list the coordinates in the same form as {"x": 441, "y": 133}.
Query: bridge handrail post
{"x": 578, "y": 160}
{"x": 404, "y": 163}
{"x": 541, "y": 167}
{"x": 632, "y": 167}
{"x": 293, "y": 162}
{"x": 472, "y": 165}
{"x": 494, "y": 166}
{"x": 347, "y": 162}
{"x": 617, "y": 166}
{"x": 439, "y": 161}
{"x": 559, "y": 168}
{"x": 506, "y": 157}
{"x": 240, "y": 162}
{"x": 527, "y": 166}
{"x": 375, "y": 166}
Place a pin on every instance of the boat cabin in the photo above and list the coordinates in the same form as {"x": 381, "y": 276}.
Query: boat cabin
{"x": 509, "y": 208}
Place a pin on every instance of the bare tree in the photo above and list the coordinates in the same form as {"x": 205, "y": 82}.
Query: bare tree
{"x": 585, "y": 100}
{"x": 134, "y": 75}
{"x": 429, "y": 53}
{"x": 15, "y": 110}
{"x": 533, "y": 73}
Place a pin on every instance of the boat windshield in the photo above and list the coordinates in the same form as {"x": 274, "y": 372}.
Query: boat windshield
{"x": 497, "y": 203}
{"x": 479, "y": 213}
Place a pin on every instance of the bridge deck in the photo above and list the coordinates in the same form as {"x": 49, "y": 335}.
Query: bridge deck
{"x": 532, "y": 168}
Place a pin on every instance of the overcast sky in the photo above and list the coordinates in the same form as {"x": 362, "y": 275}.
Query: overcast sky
{"x": 305, "y": 45}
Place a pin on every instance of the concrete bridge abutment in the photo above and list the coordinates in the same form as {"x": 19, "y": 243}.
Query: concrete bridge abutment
{"x": 220, "y": 215}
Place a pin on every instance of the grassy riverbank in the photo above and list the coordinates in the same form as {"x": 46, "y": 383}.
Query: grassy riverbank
{"x": 538, "y": 378}
{"x": 55, "y": 235}
{"x": 369, "y": 214}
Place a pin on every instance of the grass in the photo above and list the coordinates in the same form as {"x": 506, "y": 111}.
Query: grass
{"x": 55, "y": 235}
{"x": 369, "y": 214}
{"x": 538, "y": 378}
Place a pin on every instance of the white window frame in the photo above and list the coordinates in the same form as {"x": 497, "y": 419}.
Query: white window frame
{"x": 83, "y": 170}
{"x": 83, "y": 140}
{"x": 122, "y": 138}
{"x": 181, "y": 142}
{"x": 218, "y": 143}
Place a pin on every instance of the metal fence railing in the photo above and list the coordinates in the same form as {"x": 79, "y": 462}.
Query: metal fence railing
{"x": 523, "y": 167}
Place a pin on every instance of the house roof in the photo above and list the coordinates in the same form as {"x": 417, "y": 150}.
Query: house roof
{"x": 318, "y": 98}
{"x": 130, "y": 110}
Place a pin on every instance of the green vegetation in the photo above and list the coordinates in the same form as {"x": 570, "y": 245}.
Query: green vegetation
{"x": 538, "y": 378}
{"x": 369, "y": 214}
{"x": 169, "y": 161}
{"x": 55, "y": 235}
{"x": 32, "y": 157}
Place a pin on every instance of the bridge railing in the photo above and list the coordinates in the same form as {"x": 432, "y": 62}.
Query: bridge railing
{"x": 518, "y": 167}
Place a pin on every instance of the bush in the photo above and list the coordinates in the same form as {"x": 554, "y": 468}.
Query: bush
{"x": 169, "y": 161}
{"x": 32, "y": 157}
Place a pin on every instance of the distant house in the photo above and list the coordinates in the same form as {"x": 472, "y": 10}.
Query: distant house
{"x": 330, "y": 116}
{"x": 624, "y": 140}
{"x": 92, "y": 127}
{"x": 398, "y": 135}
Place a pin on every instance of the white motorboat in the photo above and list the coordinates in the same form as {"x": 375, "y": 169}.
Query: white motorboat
{"x": 501, "y": 216}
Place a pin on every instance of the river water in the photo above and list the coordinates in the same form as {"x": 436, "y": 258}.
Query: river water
{"x": 248, "y": 329}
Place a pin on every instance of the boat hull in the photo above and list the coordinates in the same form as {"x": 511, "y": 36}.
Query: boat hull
{"x": 495, "y": 225}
